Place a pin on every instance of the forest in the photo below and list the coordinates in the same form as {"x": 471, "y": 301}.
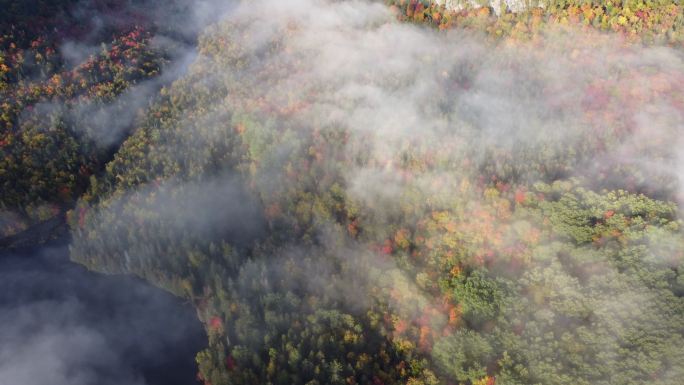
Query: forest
{"x": 370, "y": 192}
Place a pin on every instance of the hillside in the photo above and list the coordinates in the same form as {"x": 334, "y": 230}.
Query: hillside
{"x": 357, "y": 193}
{"x": 74, "y": 77}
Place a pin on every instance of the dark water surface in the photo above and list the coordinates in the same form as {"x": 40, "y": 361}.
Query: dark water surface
{"x": 61, "y": 324}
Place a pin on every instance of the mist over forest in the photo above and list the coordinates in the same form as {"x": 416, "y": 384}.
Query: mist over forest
{"x": 346, "y": 192}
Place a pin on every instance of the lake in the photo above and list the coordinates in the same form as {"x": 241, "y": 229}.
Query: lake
{"x": 61, "y": 324}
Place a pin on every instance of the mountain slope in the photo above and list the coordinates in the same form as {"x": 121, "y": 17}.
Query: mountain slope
{"x": 349, "y": 199}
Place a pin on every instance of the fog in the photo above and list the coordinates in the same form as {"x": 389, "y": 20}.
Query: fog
{"x": 66, "y": 326}
{"x": 432, "y": 123}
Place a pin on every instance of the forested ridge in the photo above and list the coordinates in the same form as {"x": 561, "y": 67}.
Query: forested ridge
{"x": 398, "y": 192}
{"x": 72, "y": 84}
{"x": 636, "y": 20}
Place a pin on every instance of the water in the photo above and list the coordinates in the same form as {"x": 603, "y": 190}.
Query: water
{"x": 61, "y": 324}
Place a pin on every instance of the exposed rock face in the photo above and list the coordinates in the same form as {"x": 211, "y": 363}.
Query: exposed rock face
{"x": 496, "y": 5}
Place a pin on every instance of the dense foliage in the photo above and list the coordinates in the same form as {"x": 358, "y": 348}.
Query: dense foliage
{"x": 657, "y": 21}
{"x": 327, "y": 246}
{"x": 65, "y": 107}
{"x": 483, "y": 198}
